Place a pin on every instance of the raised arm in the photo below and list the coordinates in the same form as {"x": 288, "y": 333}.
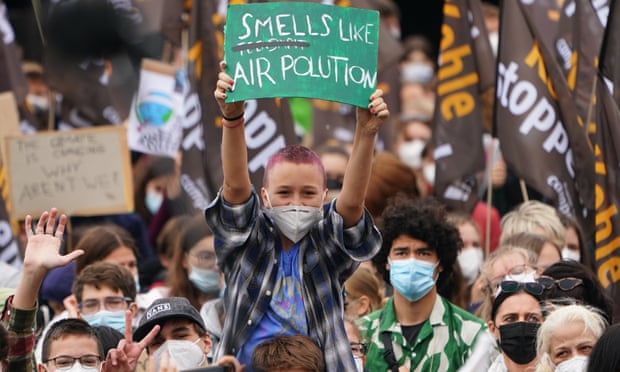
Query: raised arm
{"x": 350, "y": 201}
{"x": 237, "y": 186}
{"x": 41, "y": 256}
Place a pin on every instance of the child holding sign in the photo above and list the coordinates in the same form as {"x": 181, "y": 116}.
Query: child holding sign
{"x": 285, "y": 264}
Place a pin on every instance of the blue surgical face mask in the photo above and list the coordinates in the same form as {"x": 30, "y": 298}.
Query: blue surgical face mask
{"x": 412, "y": 278}
{"x": 417, "y": 72}
{"x": 153, "y": 201}
{"x": 113, "y": 319}
{"x": 206, "y": 280}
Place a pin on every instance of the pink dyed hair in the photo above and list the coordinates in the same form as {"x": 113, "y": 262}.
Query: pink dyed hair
{"x": 297, "y": 154}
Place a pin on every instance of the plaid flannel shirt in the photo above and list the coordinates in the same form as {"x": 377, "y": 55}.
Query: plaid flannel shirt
{"x": 20, "y": 325}
{"x": 248, "y": 246}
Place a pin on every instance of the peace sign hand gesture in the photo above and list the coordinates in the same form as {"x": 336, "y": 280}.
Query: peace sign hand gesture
{"x": 124, "y": 357}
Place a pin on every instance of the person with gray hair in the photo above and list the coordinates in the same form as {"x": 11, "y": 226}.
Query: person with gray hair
{"x": 566, "y": 338}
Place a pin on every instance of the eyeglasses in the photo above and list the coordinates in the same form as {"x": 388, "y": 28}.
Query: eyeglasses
{"x": 359, "y": 348}
{"x": 111, "y": 303}
{"x": 204, "y": 257}
{"x": 65, "y": 362}
{"x": 512, "y": 286}
{"x": 519, "y": 270}
{"x": 565, "y": 284}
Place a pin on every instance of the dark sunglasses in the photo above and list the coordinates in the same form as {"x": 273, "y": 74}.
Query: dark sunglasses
{"x": 512, "y": 286}
{"x": 565, "y": 284}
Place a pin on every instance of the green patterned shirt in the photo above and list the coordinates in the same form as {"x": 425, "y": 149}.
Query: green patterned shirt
{"x": 443, "y": 344}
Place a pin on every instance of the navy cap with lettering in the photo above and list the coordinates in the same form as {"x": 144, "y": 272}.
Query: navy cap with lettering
{"x": 164, "y": 309}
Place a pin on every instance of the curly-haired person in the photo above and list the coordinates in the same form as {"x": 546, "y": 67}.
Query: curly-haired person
{"x": 418, "y": 328}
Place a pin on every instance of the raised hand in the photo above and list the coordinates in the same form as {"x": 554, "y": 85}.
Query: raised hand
{"x": 124, "y": 357}
{"x": 225, "y": 84}
{"x": 371, "y": 119}
{"x": 42, "y": 249}
{"x": 42, "y": 254}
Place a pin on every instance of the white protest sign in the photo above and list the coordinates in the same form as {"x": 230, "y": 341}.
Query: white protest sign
{"x": 155, "y": 123}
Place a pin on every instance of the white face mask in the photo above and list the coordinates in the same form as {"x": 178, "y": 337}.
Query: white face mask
{"x": 76, "y": 367}
{"x": 470, "y": 260}
{"x": 410, "y": 153}
{"x": 429, "y": 173}
{"x": 186, "y": 354}
{"x": 569, "y": 254}
{"x": 416, "y": 72}
{"x": 38, "y": 103}
{"x": 295, "y": 221}
{"x": 359, "y": 364}
{"x": 494, "y": 40}
{"x": 576, "y": 364}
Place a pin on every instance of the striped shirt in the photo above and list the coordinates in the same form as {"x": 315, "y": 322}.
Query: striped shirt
{"x": 248, "y": 246}
{"x": 445, "y": 340}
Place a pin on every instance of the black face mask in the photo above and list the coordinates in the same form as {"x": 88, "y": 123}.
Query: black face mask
{"x": 518, "y": 341}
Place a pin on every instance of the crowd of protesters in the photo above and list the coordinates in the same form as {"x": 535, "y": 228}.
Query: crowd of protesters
{"x": 341, "y": 260}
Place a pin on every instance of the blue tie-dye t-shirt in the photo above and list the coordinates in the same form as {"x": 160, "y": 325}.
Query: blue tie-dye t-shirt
{"x": 286, "y": 314}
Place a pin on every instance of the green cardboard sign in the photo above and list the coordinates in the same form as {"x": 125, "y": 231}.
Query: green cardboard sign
{"x": 290, "y": 49}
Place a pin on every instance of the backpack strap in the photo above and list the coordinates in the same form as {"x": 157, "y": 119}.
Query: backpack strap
{"x": 388, "y": 353}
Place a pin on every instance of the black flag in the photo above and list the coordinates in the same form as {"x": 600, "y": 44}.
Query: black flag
{"x": 606, "y": 141}
{"x": 540, "y": 139}
{"x": 458, "y": 127}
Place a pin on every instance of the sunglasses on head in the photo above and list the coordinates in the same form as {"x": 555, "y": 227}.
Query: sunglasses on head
{"x": 512, "y": 286}
{"x": 565, "y": 284}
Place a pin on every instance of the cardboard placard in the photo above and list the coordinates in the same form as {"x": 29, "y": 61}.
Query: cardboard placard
{"x": 9, "y": 118}
{"x": 80, "y": 172}
{"x": 291, "y": 49}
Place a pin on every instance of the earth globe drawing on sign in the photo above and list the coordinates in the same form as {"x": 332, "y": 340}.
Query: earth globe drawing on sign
{"x": 155, "y": 109}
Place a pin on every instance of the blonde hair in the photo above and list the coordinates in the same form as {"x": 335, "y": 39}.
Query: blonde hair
{"x": 590, "y": 317}
{"x": 364, "y": 282}
{"x": 532, "y": 216}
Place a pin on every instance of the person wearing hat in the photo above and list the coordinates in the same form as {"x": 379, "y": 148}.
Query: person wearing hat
{"x": 182, "y": 334}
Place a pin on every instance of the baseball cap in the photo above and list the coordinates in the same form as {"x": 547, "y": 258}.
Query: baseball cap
{"x": 164, "y": 309}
